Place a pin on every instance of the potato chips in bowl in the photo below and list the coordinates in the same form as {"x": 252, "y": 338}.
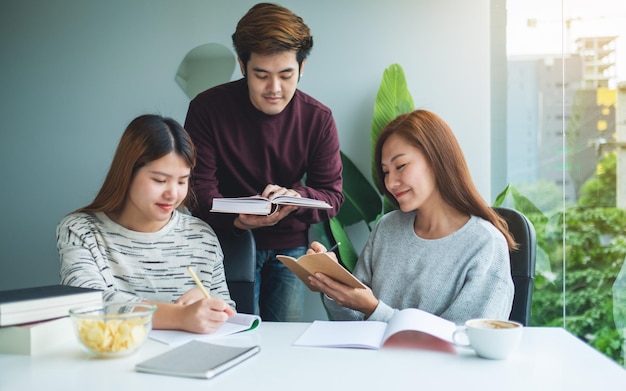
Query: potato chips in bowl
{"x": 113, "y": 329}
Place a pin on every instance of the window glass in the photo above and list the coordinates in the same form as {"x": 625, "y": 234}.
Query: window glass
{"x": 566, "y": 136}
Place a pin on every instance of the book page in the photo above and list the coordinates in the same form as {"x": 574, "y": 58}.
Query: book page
{"x": 412, "y": 327}
{"x": 343, "y": 334}
{"x": 235, "y": 324}
{"x": 248, "y": 320}
{"x": 261, "y": 205}
{"x": 248, "y": 205}
{"x": 301, "y": 201}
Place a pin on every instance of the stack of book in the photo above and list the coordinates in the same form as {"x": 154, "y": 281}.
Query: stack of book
{"x": 34, "y": 320}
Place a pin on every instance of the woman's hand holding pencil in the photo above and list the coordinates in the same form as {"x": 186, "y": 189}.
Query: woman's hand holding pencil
{"x": 333, "y": 248}
{"x": 317, "y": 247}
{"x": 203, "y": 314}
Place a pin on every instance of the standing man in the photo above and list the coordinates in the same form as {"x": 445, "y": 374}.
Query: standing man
{"x": 261, "y": 135}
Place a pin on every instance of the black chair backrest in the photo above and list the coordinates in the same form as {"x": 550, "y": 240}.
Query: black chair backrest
{"x": 522, "y": 262}
{"x": 240, "y": 268}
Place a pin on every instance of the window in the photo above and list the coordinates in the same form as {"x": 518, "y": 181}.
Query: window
{"x": 573, "y": 149}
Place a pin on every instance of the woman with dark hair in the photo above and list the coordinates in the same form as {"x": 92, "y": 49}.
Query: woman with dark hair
{"x": 444, "y": 251}
{"x": 133, "y": 243}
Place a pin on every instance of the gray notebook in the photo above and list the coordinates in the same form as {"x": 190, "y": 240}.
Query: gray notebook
{"x": 197, "y": 359}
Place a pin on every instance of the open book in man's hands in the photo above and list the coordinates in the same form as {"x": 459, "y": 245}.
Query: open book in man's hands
{"x": 257, "y": 205}
{"x": 310, "y": 264}
{"x": 409, "y": 328}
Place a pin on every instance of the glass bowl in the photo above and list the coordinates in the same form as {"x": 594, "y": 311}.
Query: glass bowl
{"x": 112, "y": 329}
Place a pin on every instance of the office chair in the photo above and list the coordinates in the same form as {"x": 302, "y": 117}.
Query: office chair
{"x": 240, "y": 266}
{"x": 522, "y": 262}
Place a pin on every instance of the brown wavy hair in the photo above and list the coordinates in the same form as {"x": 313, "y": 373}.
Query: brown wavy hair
{"x": 146, "y": 139}
{"x": 270, "y": 29}
{"x": 433, "y": 136}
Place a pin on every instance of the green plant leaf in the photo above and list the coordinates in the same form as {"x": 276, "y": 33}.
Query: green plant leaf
{"x": 362, "y": 200}
{"x": 322, "y": 235}
{"x": 347, "y": 254}
{"x": 388, "y": 206}
{"x": 523, "y": 204}
{"x": 393, "y": 98}
{"x": 502, "y": 196}
{"x": 542, "y": 264}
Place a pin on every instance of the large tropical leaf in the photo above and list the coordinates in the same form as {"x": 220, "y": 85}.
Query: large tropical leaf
{"x": 323, "y": 235}
{"x": 393, "y": 98}
{"x": 537, "y": 218}
{"x": 362, "y": 204}
{"x": 525, "y": 205}
{"x": 347, "y": 254}
{"x": 502, "y": 196}
{"x": 520, "y": 202}
{"x": 362, "y": 201}
{"x": 331, "y": 232}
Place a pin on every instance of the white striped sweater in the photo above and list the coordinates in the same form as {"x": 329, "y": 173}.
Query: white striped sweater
{"x": 96, "y": 252}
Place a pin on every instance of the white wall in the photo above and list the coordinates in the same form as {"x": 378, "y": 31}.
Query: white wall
{"x": 75, "y": 72}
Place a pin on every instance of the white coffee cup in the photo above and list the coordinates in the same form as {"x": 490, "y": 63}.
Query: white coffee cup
{"x": 490, "y": 338}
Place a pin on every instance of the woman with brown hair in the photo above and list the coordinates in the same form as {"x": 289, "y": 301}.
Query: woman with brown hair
{"x": 132, "y": 243}
{"x": 444, "y": 251}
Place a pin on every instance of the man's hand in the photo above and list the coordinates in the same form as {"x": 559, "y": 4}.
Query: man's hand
{"x": 272, "y": 191}
{"x": 247, "y": 221}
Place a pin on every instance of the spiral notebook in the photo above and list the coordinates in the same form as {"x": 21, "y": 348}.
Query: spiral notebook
{"x": 197, "y": 359}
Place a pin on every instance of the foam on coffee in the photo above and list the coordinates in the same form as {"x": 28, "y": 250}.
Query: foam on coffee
{"x": 494, "y": 324}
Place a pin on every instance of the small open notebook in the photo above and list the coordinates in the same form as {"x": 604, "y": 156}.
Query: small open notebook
{"x": 309, "y": 264}
{"x": 197, "y": 359}
{"x": 235, "y": 324}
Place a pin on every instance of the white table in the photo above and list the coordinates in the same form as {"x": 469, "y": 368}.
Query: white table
{"x": 548, "y": 359}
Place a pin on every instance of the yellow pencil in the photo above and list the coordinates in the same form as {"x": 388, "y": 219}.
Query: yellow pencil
{"x": 198, "y": 283}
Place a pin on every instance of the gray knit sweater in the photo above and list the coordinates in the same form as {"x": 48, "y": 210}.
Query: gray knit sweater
{"x": 458, "y": 277}
{"x": 98, "y": 253}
